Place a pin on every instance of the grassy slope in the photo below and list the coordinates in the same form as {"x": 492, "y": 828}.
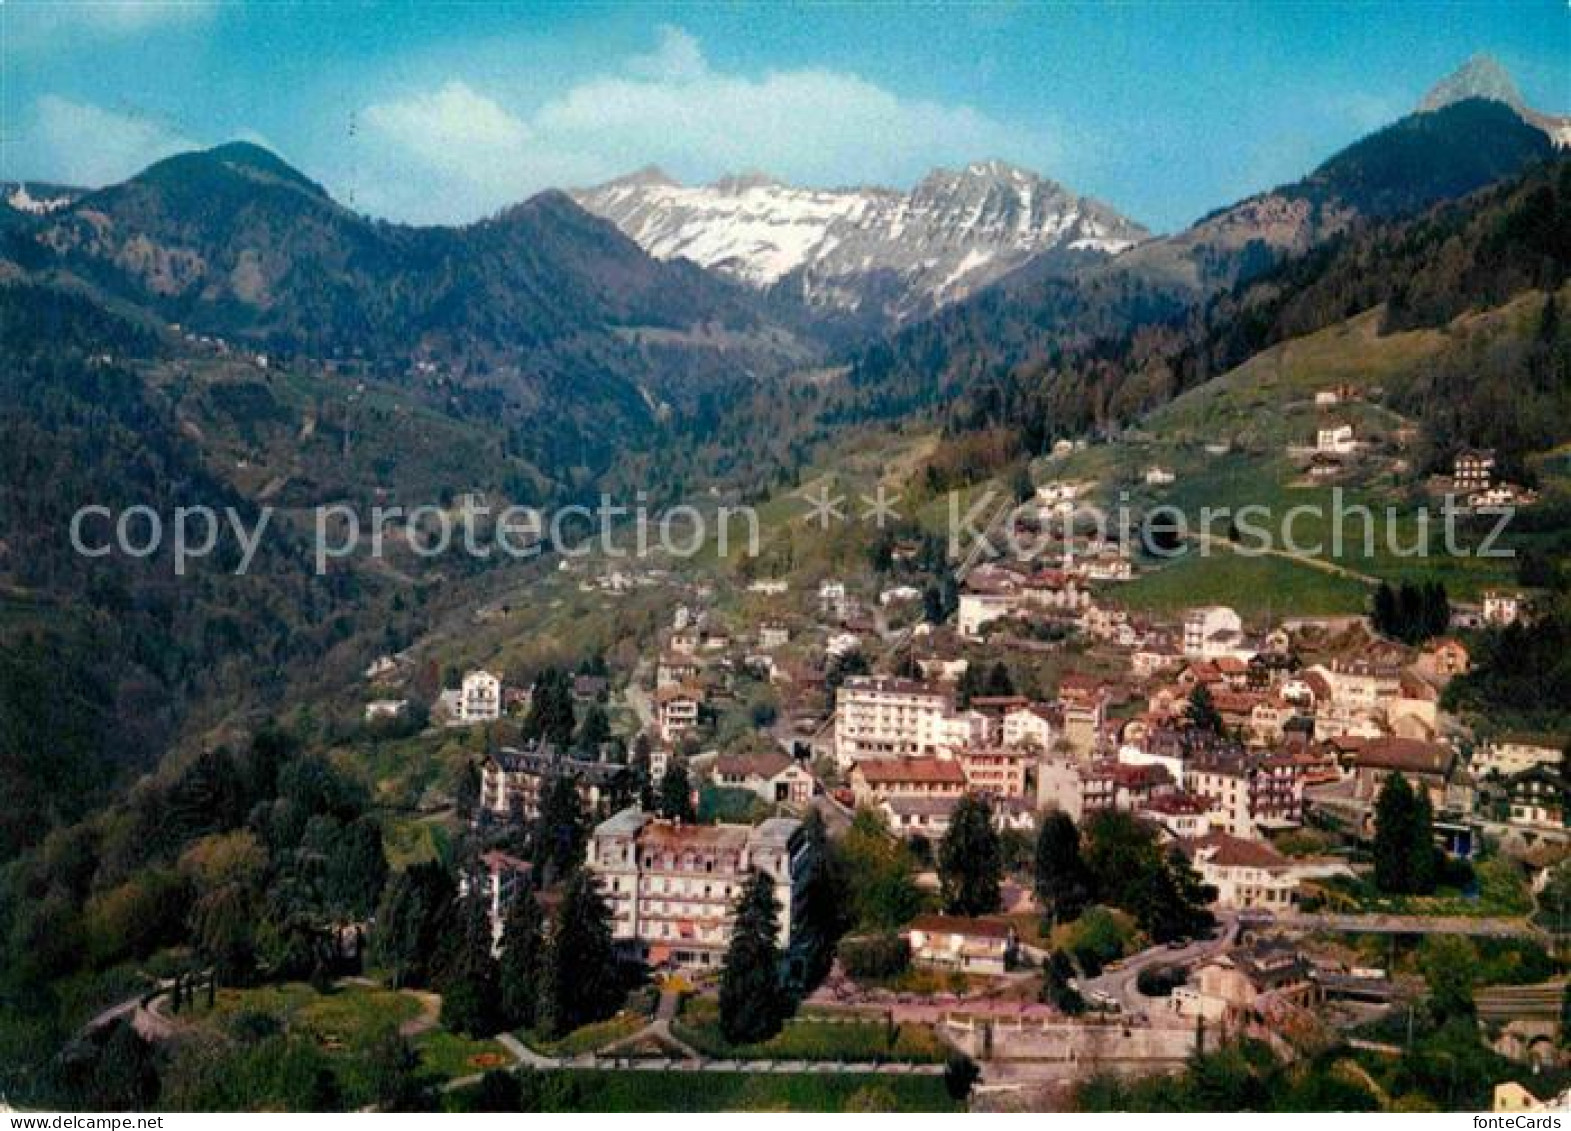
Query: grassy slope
{"x": 1261, "y": 408}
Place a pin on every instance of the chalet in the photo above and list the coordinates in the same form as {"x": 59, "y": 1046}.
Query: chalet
{"x": 1157, "y": 654}
{"x": 678, "y": 712}
{"x": 1538, "y": 798}
{"x": 950, "y": 942}
{"x": 1335, "y": 395}
{"x": 1511, "y": 1096}
{"x": 1442, "y": 658}
{"x": 1055, "y": 589}
{"x": 1183, "y": 816}
{"x": 982, "y": 608}
{"x": 1503, "y": 495}
{"x": 773, "y": 634}
{"x": 591, "y": 688}
{"x": 1269, "y": 719}
{"x": 926, "y": 817}
{"x": 1251, "y": 873}
{"x": 1236, "y": 707}
{"x": 381, "y": 668}
{"x": 1323, "y": 465}
{"x": 1247, "y": 984}
{"x": 1502, "y": 608}
{"x": 675, "y": 669}
{"x": 1081, "y": 788}
{"x": 1156, "y": 476}
{"x": 1034, "y": 725}
{"x": 1473, "y": 469}
{"x": 1210, "y": 631}
{"x": 385, "y": 709}
{"x": 842, "y": 644}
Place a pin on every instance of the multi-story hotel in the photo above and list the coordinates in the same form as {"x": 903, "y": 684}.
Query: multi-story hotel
{"x": 512, "y": 781}
{"x": 892, "y": 718}
{"x": 672, "y": 888}
{"x": 1249, "y": 792}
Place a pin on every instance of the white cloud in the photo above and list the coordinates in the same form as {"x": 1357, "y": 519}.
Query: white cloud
{"x": 453, "y": 123}
{"x": 670, "y": 107}
{"x": 79, "y": 143}
{"x": 676, "y": 58}
{"x": 47, "y": 23}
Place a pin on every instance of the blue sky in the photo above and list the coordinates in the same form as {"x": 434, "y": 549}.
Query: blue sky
{"x": 443, "y": 112}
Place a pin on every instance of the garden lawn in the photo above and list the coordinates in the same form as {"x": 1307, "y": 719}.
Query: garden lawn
{"x": 587, "y": 1038}
{"x": 451, "y": 1055}
{"x": 814, "y": 1037}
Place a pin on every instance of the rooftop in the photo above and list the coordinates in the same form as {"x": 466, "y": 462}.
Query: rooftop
{"x": 992, "y": 928}
{"x": 892, "y": 770}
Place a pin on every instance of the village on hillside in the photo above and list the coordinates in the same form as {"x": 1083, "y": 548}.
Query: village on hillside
{"x": 1059, "y": 838}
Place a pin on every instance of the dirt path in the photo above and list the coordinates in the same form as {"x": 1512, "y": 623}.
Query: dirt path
{"x": 430, "y": 1014}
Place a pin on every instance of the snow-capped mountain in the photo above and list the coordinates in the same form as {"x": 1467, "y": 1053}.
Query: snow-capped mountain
{"x": 875, "y": 252}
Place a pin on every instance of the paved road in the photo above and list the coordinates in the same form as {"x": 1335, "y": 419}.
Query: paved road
{"x": 1121, "y": 983}
{"x": 147, "y": 1021}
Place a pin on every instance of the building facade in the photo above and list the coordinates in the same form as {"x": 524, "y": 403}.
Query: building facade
{"x": 672, "y": 888}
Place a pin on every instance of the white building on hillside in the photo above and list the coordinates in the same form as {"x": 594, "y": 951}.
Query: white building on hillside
{"x": 480, "y": 698}
{"x": 1212, "y": 630}
{"x": 1336, "y": 440}
{"x": 672, "y": 888}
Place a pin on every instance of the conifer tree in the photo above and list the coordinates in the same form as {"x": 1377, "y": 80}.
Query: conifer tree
{"x": 752, "y": 1002}
{"x": 1063, "y": 884}
{"x": 522, "y": 959}
{"x": 970, "y": 860}
{"x": 581, "y": 980}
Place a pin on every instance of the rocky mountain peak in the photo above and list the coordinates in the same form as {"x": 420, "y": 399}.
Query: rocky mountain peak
{"x": 879, "y": 253}
{"x": 1482, "y": 76}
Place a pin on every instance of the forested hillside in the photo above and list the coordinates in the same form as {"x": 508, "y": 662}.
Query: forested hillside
{"x": 1471, "y": 254}
{"x": 1033, "y": 324}
{"x": 549, "y": 313}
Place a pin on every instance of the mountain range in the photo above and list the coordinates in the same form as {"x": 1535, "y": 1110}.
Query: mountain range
{"x": 544, "y": 306}
{"x": 1430, "y": 156}
{"x": 542, "y": 352}
{"x": 611, "y": 310}
{"x": 886, "y": 256}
